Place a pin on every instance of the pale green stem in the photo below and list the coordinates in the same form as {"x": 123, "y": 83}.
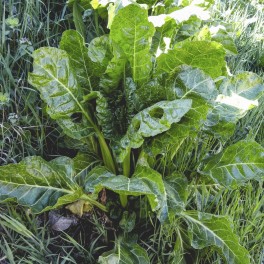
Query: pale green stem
{"x": 126, "y": 172}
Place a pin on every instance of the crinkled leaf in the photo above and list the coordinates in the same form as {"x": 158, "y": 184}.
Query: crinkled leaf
{"x": 79, "y": 207}
{"x": 103, "y": 113}
{"x": 176, "y": 186}
{"x": 189, "y": 126}
{"x": 187, "y": 30}
{"x": 237, "y": 164}
{"x": 205, "y": 55}
{"x": 132, "y": 31}
{"x": 193, "y": 83}
{"x": 83, "y": 164}
{"x": 39, "y": 184}
{"x": 151, "y": 92}
{"x": 54, "y": 77}
{"x": 114, "y": 71}
{"x": 82, "y": 61}
{"x": 77, "y": 18}
{"x": 96, "y": 176}
{"x": 82, "y": 161}
{"x": 150, "y": 122}
{"x": 206, "y": 230}
{"x": 125, "y": 254}
{"x": 100, "y": 54}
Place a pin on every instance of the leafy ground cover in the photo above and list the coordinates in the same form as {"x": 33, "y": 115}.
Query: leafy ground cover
{"x": 158, "y": 140}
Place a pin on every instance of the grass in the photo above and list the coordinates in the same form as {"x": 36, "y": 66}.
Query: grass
{"x": 25, "y": 130}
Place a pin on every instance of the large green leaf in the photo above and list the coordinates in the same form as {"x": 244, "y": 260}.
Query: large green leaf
{"x": 238, "y": 94}
{"x": 125, "y": 253}
{"x": 237, "y": 164}
{"x": 145, "y": 181}
{"x": 132, "y": 31}
{"x": 150, "y": 122}
{"x": 154, "y": 181}
{"x": 190, "y": 125}
{"x": 193, "y": 83}
{"x": 210, "y": 230}
{"x": 54, "y": 77}
{"x": 73, "y": 43}
{"x": 96, "y": 176}
{"x": 248, "y": 85}
{"x": 39, "y": 184}
{"x": 205, "y": 55}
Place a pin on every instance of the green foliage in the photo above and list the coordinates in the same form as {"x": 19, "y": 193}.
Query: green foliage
{"x": 210, "y": 230}
{"x": 134, "y": 108}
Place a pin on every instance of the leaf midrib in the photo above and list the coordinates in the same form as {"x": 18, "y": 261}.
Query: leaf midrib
{"x": 38, "y": 186}
{"x": 209, "y": 230}
{"x": 71, "y": 94}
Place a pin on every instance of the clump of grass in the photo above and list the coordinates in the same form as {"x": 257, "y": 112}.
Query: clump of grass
{"x": 28, "y": 238}
{"x": 25, "y": 26}
{"x": 246, "y": 17}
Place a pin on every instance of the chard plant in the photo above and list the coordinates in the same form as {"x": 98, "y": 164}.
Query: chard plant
{"x": 129, "y": 101}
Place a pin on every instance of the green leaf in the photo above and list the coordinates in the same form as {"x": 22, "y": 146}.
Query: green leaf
{"x": 237, "y": 164}
{"x": 145, "y": 181}
{"x": 151, "y": 92}
{"x": 221, "y": 35}
{"x": 210, "y": 230}
{"x": 176, "y": 186}
{"x": 103, "y": 114}
{"x": 193, "y": 83}
{"x": 54, "y": 77}
{"x": 163, "y": 35}
{"x": 95, "y": 177}
{"x": 205, "y": 55}
{"x": 246, "y": 84}
{"x": 73, "y": 43}
{"x": 114, "y": 71}
{"x": 126, "y": 186}
{"x": 239, "y": 94}
{"x": 77, "y": 18}
{"x": 150, "y": 122}
{"x": 100, "y": 54}
{"x": 190, "y": 125}
{"x": 125, "y": 254}
{"x": 114, "y": 7}
{"x": 39, "y": 184}
{"x": 154, "y": 181}
{"x": 132, "y": 31}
